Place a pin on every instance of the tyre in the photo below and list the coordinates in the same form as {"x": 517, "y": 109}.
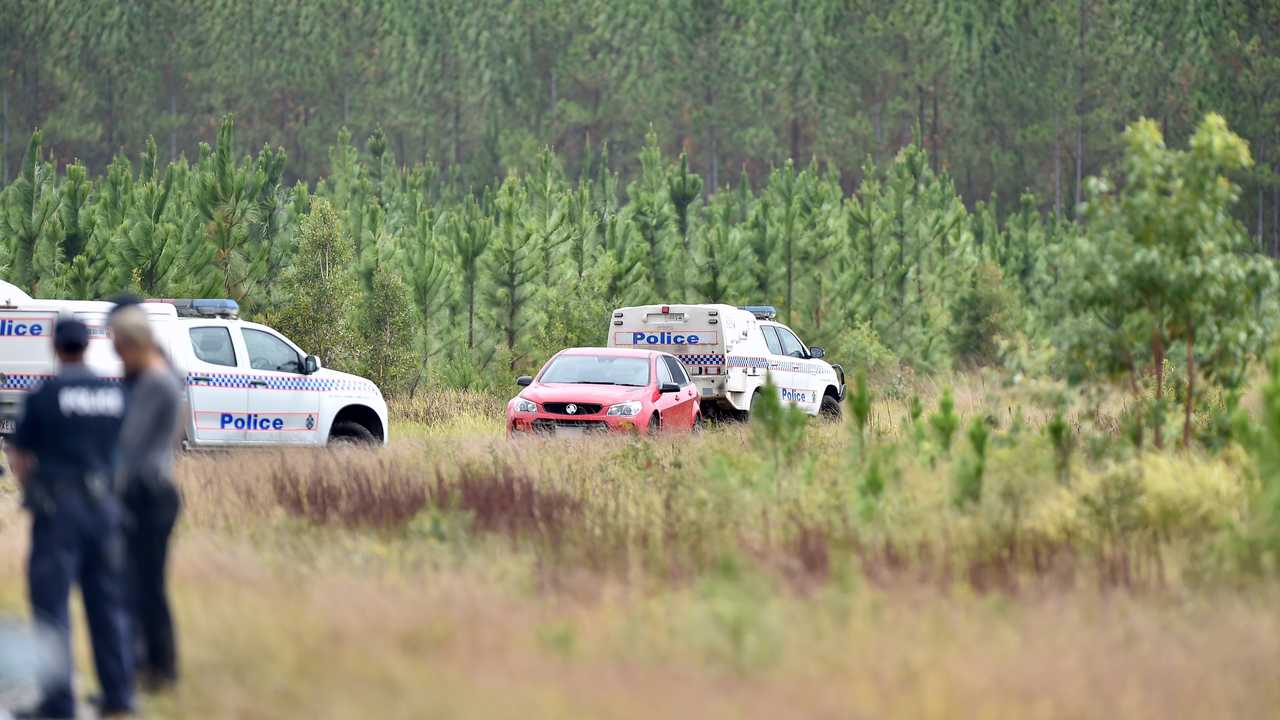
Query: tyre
{"x": 655, "y": 423}
{"x": 751, "y": 412}
{"x": 830, "y": 409}
{"x": 697, "y": 424}
{"x": 351, "y": 434}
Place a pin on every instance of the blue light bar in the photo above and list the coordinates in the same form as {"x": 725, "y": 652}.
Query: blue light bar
{"x": 762, "y": 312}
{"x": 225, "y": 307}
{"x": 203, "y": 307}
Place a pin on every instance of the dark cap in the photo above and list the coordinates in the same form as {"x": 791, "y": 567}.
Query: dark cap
{"x": 70, "y": 335}
{"x": 123, "y": 300}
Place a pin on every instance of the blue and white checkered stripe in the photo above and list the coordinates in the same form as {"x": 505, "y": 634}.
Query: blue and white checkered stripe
{"x": 743, "y": 361}
{"x": 22, "y": 382}
{"x": 277, "y": 382}
{"x": 701, "y": 360}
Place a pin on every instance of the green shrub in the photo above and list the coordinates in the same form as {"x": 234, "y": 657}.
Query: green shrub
{"x": 981, "y": 317}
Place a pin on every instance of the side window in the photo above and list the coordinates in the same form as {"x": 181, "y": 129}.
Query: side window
{"x": 213, "y": 345}
{"x": 791, "y": 345}
{"x": 677, "y": 371}
{"x": 664, "y": 373}
{"x": 771, "y": 339}
{"x": 268, "y": 352}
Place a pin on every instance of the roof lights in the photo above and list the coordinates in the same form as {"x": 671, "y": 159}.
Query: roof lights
{"x": 225, "y": 308}
{"x": 762, "y": 312}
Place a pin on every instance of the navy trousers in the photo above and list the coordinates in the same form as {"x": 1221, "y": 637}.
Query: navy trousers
{"x": 81, "y": 542}
{"x": 153, "y": 512}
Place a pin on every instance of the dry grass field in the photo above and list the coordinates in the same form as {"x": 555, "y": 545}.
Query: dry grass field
{"x": 457, "y": 574}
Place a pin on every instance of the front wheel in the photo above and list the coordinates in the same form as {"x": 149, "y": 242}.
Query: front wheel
{"x": 830, "y": 409}
{"x": 350, "y": 434}
{"x": 655, "y": 423}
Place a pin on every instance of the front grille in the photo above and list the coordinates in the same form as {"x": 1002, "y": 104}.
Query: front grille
{"x": 562, "y": 408}
{"x": 551, "y": 425}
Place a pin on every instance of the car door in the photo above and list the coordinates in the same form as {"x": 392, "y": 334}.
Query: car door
{"x": 781, "y": 367}
{"x": 685, "y": 408}
{"x": 217, "y": 392}
{"x": 667, "y": 403}
{"x": 284, "y": 408}
{"x": 804, "y": 378}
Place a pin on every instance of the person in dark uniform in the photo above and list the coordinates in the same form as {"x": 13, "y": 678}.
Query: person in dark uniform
{"x": 62, "y": 453}
{"x": 148, "y": 438}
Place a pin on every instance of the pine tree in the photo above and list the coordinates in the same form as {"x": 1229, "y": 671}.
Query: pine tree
{"x": 230, "y": 255}
{"x": 31, "y": 216}
{"x": 147, "y": 245}
{"x": 320, "y": 290}
{"x": 384, "y": 329}
{"x": 427, "y": 269}
{"x": 510, "y": 267}
{"x": 470, "y": 233}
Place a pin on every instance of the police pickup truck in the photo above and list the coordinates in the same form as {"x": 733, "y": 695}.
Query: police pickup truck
{"x": 729, "y": 351}
{"x": 246, "y": 384}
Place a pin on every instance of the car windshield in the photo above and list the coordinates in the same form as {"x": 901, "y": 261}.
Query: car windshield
{"x": 598, "y": 370}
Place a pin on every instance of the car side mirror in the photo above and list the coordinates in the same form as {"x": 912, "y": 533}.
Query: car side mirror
{"x": 524, "y": 381}
{"x": 668, "y": 388}
{"x": 817, "y": 353}
{"x": 311, "y": 365}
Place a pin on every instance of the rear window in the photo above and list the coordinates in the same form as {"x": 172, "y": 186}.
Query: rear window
{"x": 678, "y": 375}
{"x": 597, "y": 370}
{"x": 771, "y": 339}
{"x": 213, "y": 345}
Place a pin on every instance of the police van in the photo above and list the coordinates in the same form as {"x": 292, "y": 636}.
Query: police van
{"x": 729, "y": 351}
{"x": 246, "y": 384}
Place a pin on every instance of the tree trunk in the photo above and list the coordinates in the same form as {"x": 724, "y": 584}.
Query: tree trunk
{"x": 713, "y": 145}
{"x": 471, "y": 316}
{"x": 110, "y": 120}
{"x": 1262, "y": 230}
{"x": 1157, "y": 353}
{"x": 877, "y": 124}
{"x": 455, "y": 129}
{"x": 1080, "y": 107}
{"x": 1262, "y": 202}
{"x": 4, "y": 132}
{"x": 553, "y": 89}
{"x": 795, "y": 136}
{"x": 173, "y": 124}
{"x": 1191, "y": 385}
{"x": 935, "y": 162}
{"x": 920, "y": 119}
{"x": 1275, "y": 220}
{"x": 1057, "y": 176}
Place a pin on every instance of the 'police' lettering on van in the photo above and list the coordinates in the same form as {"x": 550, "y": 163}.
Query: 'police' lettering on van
{"x": 252, "y": 421}
{"x": 663, "y": 338}
{"x": 15, "y": 328}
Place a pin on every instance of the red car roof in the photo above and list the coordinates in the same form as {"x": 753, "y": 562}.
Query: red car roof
{"x": 611, "y": 352}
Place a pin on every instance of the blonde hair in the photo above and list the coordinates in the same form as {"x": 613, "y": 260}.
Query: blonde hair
{"x": 129, "y": 325}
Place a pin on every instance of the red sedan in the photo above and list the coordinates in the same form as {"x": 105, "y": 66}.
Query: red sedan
{"x": 588, "y": 389}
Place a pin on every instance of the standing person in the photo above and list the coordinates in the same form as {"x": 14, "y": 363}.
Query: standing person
{"x": 62, "y": 454}
{"x": 144, "y": 470}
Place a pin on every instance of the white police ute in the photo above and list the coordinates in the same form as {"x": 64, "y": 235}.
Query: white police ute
{"x": 246, "y": 384}
{"x": 729, "y": 352}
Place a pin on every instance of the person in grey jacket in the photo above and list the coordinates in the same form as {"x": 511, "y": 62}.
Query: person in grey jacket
{"x": 144, "y": 475}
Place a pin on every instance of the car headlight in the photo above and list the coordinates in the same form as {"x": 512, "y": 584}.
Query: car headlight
{"x": 526, "y": 406}
{"x": 626, "y": 409}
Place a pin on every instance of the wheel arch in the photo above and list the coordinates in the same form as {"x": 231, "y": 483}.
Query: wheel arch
{"x": 363, "y": 415}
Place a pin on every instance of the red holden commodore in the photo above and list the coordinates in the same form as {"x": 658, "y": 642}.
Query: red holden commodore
{"x": 581, "y": 390}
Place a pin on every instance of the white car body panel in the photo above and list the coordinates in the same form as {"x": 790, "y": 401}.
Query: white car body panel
{"x": 230, "y": 401}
